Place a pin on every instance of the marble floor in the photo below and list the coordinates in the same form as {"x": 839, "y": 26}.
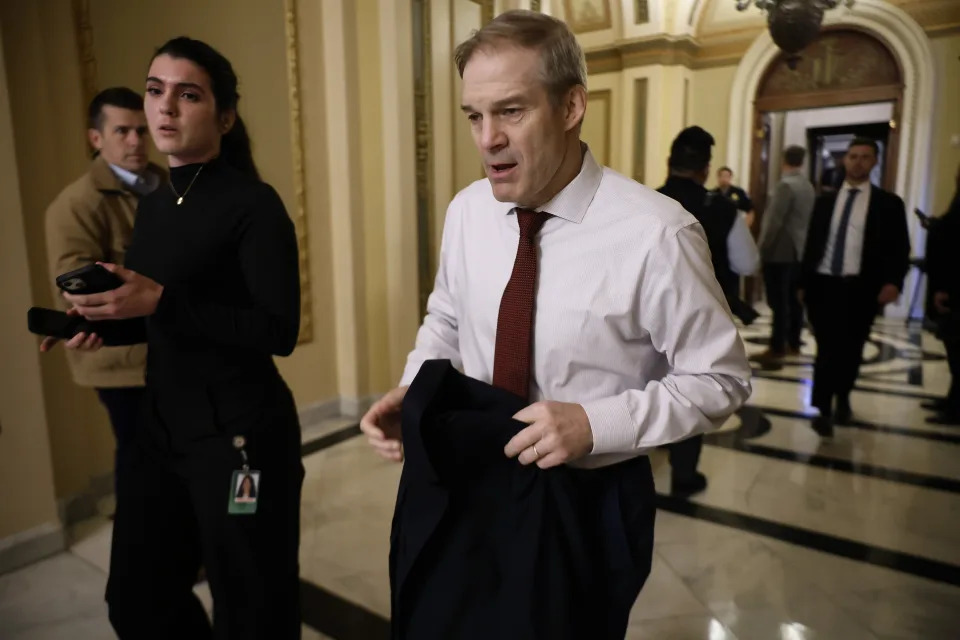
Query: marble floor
{"x": 795, "y": 538}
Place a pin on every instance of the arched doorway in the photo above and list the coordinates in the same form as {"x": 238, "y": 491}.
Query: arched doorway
{"x": 843, "y": 68}
{"x": 911, "y": 48}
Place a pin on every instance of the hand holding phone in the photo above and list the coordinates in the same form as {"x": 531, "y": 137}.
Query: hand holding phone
{"x": 55, "y": 326}
{"x": 89, "y": 279}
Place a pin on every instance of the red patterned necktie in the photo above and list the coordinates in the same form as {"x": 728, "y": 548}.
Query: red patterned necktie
{"x": 511, "y": 357}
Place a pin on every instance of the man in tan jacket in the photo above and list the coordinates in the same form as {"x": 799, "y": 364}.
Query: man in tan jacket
{"x": 92, "y": 220}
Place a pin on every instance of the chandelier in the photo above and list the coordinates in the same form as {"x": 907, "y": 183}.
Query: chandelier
{"x": 793, "y": 24}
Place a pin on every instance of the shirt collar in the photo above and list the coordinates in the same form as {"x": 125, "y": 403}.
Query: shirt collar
{"x": 128, "y": 178}
{"x": 572, "y": 201}
{"x": 142, "y": 184}
{"x": 861, "y": 187}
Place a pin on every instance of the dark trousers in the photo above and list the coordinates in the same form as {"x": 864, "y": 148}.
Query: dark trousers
{"x": 841, "y": 312}
{"x": 123, "y": 405}
{"x": 782, "y": 281}
{"x": 741, "y": 309}
{"x": 172, "y": 517}
{"x": 953, "y": 361}
{"x": 684, "y": 458}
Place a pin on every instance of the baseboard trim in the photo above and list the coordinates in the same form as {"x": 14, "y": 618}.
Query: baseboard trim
{"x": 356, "y": 407}
{"x": 27, "y": 547}
{"x": 83, "y": 505}
{"x": 319, "y": 411}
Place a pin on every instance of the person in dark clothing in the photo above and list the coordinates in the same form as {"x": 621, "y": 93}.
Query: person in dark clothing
{"x": 732, "y": 250}
{"x": 855, "y": 260}
{"x": 732, "y": 247}
{"x": 211, "y": 279}
{"x": 783, "y": 232}
{"x": 725, "y": 187}
{"x": 943, "y": 269}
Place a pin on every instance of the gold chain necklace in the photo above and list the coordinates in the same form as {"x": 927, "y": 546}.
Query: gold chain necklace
{"x": 181, "y": 197}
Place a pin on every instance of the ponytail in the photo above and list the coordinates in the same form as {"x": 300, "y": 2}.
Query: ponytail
{"x": 236, "y": 151}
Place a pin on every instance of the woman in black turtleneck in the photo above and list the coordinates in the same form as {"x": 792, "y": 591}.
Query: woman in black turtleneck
{"x": 213, "y": 269}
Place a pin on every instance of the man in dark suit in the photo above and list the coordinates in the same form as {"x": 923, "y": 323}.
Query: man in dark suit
{"x": 855, "y": 260}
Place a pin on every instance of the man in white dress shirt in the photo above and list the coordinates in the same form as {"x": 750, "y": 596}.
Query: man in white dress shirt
{"x": 633, "y": 345}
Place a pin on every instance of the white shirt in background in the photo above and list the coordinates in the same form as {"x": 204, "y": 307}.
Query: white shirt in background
{"x": 853, "y": 247}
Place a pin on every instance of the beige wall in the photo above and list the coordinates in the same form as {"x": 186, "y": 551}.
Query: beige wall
{"x": 710, "y": 109}
{"x": 24, "y": 445}
{"x": 372, "y": 176}
{"x": 945, "y": 157}
{"x": 47, "y": 115}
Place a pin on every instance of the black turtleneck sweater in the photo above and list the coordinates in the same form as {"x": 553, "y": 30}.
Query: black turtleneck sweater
{"x": 227, "y": 258}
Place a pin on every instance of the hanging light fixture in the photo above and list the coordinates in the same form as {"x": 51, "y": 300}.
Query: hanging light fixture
{"x": 793, "y": 24}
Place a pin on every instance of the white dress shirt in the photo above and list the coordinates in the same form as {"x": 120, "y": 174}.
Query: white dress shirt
{"x": 853, "y": 247}
{"x": 141, "y": 184}
{"x": 742, "y": 248}
{"x": 629, "y": 322}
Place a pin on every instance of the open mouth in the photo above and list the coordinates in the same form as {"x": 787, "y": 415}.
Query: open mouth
{"x": 501, "y": 170}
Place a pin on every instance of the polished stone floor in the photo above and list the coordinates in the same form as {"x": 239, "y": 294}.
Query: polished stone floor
{"x": 795, "y": 538}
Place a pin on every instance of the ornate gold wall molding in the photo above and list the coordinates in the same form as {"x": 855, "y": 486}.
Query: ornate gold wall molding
{"x": 423, "y": 117}
{"x": 85, "y": 52}
{"x": 585, "y": 16}
{"x": 299, "y": 213}
{"x": 641, "y": 12}
{"x": 487, "y": 10}
{"x": 665, "y": 50}
{"x": 936, "y": 17}
{"x": 640, "y": 129}
{"x": 605, "y": 98}
{"x": 944, "y": 31}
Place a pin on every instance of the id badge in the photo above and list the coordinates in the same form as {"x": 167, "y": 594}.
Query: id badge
{"x": 244, "y": 491}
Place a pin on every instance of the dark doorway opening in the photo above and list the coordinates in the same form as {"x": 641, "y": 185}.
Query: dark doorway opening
{"x": 827, "y": 146}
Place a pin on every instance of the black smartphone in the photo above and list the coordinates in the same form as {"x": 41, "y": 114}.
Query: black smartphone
{"x": 56, "y": 324}
{"x": 91, "y": 278}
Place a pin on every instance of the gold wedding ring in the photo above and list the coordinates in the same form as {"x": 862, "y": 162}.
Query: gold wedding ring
{"x": 535, "y": 452}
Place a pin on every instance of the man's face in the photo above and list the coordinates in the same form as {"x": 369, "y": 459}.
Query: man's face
{"x": 724, "y": 178}
{"x": 122, "y": 138}
{"x": 182, "y": 112}
{"x": 522, "y": 137}
{"x": 859, "y": 162}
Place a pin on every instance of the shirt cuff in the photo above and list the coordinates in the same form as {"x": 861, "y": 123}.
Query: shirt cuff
{"x": 612, "y": 425}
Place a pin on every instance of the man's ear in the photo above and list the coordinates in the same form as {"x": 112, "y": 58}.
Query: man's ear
{"x": 575, "y": 106}
{"x": 95, "y": 138}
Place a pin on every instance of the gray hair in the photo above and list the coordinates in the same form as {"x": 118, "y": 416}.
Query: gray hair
{"x": 563, "y": 62}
